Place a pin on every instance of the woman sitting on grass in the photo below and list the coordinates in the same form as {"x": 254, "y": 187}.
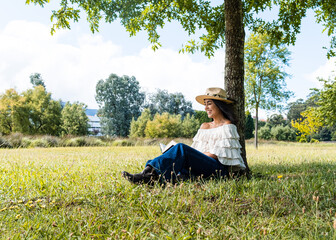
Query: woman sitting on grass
{"x": 214, "y": 151}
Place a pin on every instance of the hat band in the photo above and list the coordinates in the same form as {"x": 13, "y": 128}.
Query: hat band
{"x": 216, "y": 95}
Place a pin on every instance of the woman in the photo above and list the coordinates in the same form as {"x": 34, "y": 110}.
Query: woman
{"x": 214, "y": 151}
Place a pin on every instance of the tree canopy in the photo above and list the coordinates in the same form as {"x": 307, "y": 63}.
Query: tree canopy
{"x": 74, "y": 120}
{"x": 265, "y": 86}
{"x": 174, "y": 103}
{"x": 310, "y": 123}
{"x": 265, "y": 74}
{"x": 36, "y": 80}
{"x": 327, "y": 101}
{"x": 119, "y": 100}
{"x": 13, "y": 114}
{"x": 143, "y": 15}
{"x": 44, "y": 113}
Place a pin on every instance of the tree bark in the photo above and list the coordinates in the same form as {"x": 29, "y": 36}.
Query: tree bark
{"x": 234, "y": 65}
{"x": 256, "y": 129}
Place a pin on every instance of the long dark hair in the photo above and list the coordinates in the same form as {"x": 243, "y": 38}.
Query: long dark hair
{"x": 226, "y": 109}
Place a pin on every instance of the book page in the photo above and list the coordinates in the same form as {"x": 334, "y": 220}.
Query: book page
{"x": 165, "y": 148}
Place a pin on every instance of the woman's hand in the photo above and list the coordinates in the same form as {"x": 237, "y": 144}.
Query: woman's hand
{"x": 210, "y": 155}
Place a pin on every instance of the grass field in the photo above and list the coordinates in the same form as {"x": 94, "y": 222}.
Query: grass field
{"x": 78, "y": 193}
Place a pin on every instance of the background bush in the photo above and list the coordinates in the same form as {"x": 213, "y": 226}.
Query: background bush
{"x": 164, "y": 125}
{"x": 138, "y": 126}
{"x": 4, "y": 143}
{"x": 282, "y": 133}
{"x": 40, "y": 142}
{"x": 15, "y": 139}
{"x": 265, "y": 133}
{"x": 190, "y": 125}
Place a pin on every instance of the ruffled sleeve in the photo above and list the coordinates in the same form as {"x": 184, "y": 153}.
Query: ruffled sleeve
{"x": 221, "y": 141}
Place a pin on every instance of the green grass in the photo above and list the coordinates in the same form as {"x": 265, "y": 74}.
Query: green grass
{"x": 78, "y": 193}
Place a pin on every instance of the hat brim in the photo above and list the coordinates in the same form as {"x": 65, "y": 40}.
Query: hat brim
{"x": 201, "y": 99}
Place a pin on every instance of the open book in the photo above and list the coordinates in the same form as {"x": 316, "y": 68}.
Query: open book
{"x": 165, "y": 148}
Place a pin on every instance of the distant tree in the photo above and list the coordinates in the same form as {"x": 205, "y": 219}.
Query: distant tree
{"x": 276, "y": 120}
{"x": 119, "y": 100}
{"x": 309, "y": 124}
{"x": 295, "y": 109}
{"x": 333, "y": 136}
{"x": 36, "y": 80}
{"x": 265, "y": 86}
{"x": 44, "y": 113}
{"x": 261, "y": 123}
{"x": 327, "y": 101}
{"x": 325, "y": 134}
{"x": 249, "y": 125}
{"x": 74, "y": 120}
{"x": 202, "y": 116}
{"x": 172, "y": 103}
{"x": 138, "y": 126}
{"x": 13, "y": 113}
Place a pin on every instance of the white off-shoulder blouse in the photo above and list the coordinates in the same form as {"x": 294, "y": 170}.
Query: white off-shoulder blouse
{"x": 223, "y": 142}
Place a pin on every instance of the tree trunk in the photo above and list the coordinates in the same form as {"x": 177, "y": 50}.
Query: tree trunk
{"x": 234, "y": 65}
{"x": 256, "y": 129}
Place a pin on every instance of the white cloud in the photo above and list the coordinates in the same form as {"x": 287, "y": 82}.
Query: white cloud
{"x": 324, "y": 71}
{"x": 71, "y": 70}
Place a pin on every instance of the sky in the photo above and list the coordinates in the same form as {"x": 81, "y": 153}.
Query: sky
{"x": 71, "y": 62}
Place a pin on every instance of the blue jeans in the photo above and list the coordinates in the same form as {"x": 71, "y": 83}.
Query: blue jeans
{"x": 182, "y": 159}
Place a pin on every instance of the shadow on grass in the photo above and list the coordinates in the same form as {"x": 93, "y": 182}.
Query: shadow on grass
{"x": 293, "y": 170}
{"x": 275, "y": 172}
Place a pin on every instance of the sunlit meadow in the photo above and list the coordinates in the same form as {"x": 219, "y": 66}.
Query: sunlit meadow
{"x": 78, "y": 193}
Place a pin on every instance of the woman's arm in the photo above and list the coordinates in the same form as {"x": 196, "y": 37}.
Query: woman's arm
{"x": 210, "y": 155}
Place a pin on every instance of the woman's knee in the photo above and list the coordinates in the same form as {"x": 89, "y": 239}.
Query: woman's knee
{"x": 181, "y": 145}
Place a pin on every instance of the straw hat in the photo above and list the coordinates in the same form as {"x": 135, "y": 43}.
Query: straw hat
{"x": 214, "y": 93}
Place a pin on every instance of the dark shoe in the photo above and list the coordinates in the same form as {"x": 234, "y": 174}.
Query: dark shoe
{"x": 148, "y": 175}
{"x": 182, "y": 177}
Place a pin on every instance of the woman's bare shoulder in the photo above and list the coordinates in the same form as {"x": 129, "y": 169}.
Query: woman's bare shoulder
{"x": 205, "y": 125}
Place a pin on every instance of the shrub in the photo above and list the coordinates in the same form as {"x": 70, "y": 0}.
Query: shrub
{"x": 315, "y": 136}
{"x": 80, "y": 141}
{"x": 89, "y": 141}
{"x": 190, "y": 126}
{"x": 122, "y": 142}
{"x": 282, "y": 133}
{"x": 70, "y": 142}
{"x": 4, "y": 143}
{"x": 15, "y": 139}
{"x": 51, "y": 141}
{"x": 165, "y": 125}
{"x": 333, "y": 136}
{"x": 138, "y": 126}
{"x": 265, "y": 133}
{"x": 26, "y": 142}
{"x": 301, "y": 139}
{"x": 39, "y": 143}
{"x": 75, "y": 142}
